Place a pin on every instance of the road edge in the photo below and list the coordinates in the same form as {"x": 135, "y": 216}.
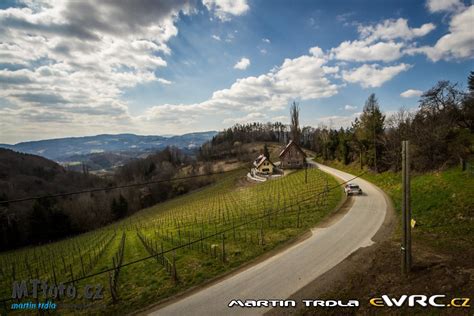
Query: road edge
{"x": 343, "y": 270}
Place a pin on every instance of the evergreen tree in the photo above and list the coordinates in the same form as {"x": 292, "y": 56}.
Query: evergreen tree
{"x": 370, "y": 131}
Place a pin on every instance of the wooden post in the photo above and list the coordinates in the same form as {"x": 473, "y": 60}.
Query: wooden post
{"x": 406, "y": 210}
{"x": 64, "y": 263}
{"x": 175, "y": 273}
{"x": 54, "y": 275}
{"x": 404, "y": 213}
{"x": 305, "y": 172}
{"x": 298, "y": 220}
{"x": 90, "y": 260}
{"x": 112, "y": 285}
{"x": 72, "y": 274}
{"x": 223, "y": 247}
{"x": 82, "y": 265}
{"x": 233, "y": 228}
{"x": 162, "y": 254}
{"x": 408, "y": 204}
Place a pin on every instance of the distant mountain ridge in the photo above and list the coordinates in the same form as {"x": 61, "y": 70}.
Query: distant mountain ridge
{"x": 62, "y": 149}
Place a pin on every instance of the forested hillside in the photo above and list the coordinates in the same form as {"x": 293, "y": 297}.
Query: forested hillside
{"x": 45, "y": 220}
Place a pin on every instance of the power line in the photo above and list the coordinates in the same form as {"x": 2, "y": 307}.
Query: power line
{"x": 115, "y": 187}
{"x": 206, "y": 237}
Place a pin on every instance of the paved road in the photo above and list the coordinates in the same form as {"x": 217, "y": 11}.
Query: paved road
{"x": 290, "y": 270}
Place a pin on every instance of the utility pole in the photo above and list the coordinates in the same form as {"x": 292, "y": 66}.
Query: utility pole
{"x": 406, "y": 210}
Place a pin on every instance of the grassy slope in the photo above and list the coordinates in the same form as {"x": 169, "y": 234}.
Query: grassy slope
{"x": 442, "y": 204}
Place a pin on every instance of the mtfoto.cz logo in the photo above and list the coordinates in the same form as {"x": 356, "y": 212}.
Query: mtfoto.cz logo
{"x": 420, "y": 300}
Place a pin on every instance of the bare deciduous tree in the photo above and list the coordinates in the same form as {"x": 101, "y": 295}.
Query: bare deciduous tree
{"x": 295, "y": 122}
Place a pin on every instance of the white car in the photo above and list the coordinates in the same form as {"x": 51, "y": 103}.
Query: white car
{"x": 352, "y": 188}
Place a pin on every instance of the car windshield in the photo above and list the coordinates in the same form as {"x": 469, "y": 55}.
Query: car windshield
{"x": 352, "y": 186}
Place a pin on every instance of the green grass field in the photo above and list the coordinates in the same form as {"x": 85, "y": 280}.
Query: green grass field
{"x": 212, "y": 231}
{"x": 442, "y": 204}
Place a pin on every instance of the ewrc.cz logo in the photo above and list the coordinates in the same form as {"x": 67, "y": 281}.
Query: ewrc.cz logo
{"x": 419, "y": 300}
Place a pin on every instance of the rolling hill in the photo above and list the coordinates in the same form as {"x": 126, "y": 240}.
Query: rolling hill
{"x": 26, "y": 174}
{"x": 107, "y": 151}
{"x": 60, "y": 148}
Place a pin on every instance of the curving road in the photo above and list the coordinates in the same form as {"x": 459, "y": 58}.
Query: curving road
{"x": 290, "y": 270}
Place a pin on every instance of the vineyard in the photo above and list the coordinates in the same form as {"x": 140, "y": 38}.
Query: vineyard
{"x": 174, "y": 245}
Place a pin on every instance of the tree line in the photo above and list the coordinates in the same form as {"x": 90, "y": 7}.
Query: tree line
{"x": 440, "y": 132}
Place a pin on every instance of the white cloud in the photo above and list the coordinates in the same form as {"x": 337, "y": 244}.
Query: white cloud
{"x": 361, "y": 51}
{"x": 349, "y": 107}
{"x": 164, "y": 81}
{"x": 266, "y": 40}
{"x": 410, "y": 93}
{"x": 377, "y": 42}
{"x": 242, "y": 64}
{"x": 224, "y": 9}
{"x": 457, "y": 44}
{"x": 316, "y": 52}
{"x": 443, "y": 5}
{"x": 372, "y": 76}
{"x": 216, "y": 37}
{"x": 263, "y": 51}
{"x": 394, "y": 29}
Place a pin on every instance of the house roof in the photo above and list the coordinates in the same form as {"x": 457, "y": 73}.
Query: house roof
{"x": 260, "y": 159}
{"x": 287, "y": 147}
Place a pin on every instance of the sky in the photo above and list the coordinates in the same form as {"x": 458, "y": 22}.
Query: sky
{"x": 155, "y": 67}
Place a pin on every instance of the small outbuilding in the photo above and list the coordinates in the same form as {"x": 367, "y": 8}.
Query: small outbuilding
{"x": 263, "y": 165}
{"x": 292, "y": 156}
